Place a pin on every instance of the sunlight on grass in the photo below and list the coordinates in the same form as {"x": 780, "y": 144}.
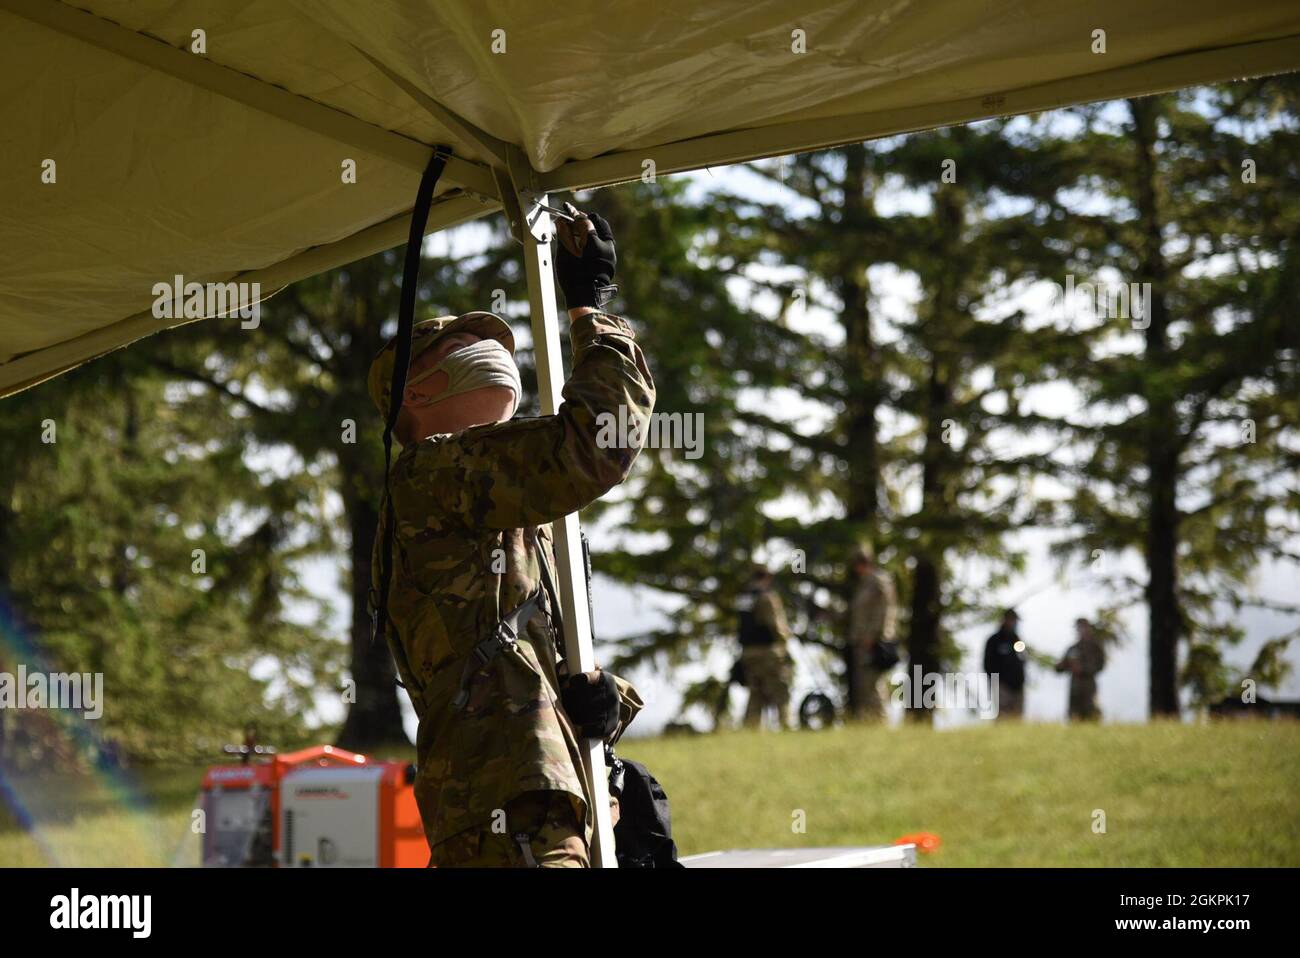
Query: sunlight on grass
{"x": 996, "y": 795}
{"x": 1001, "y": 795}
{"x": 126, "y": 819}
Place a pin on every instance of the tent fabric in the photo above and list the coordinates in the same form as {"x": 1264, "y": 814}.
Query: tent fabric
{"x": 227, "y": 163}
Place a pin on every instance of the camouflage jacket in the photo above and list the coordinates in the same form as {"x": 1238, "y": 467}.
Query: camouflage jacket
{"x": 1084, "y": 659}
{"x": 874, "y": 609}
{"x": 769, "y": 612}
{"x": 473, "y": 512}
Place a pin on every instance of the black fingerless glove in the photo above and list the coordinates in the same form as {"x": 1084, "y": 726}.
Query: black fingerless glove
{"x": 593, "y": 707}
{"x": 587, "y": 280}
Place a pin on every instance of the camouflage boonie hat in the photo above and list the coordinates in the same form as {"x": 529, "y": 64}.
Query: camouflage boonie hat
{"x": 423, "y": 335}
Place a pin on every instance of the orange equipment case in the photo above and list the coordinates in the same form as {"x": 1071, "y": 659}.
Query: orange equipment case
{"x": 358, "y": 812}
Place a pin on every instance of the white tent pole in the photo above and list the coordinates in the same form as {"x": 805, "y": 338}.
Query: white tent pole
{"x": 572, "y": 580}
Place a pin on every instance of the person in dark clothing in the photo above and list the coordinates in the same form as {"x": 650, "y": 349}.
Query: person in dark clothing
{"x": 1004, "y": 656}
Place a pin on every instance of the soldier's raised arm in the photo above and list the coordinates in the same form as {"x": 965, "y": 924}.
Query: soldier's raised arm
{"x": 526, "y": 472}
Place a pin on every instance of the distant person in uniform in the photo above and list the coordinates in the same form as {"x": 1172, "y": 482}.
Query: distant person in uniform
{"x": 1083, "y": 661}
{"x": 764, "y": 658}
{"x": 872, "y": 613}
{"x": 1004, "y": 656}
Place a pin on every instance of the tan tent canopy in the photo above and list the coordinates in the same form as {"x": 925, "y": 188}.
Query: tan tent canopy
{"x": 144, "y": 140}
{"x": 227, "y": 162}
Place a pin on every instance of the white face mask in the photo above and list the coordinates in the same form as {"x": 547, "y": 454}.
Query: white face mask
{"x": 481, "y": 364}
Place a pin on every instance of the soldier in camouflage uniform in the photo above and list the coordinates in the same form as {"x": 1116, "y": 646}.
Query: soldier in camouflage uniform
{"x": 1083, "y": 661}
{"x": 872, "y": 613}
{"x": 764, "y": 656}
{"x": 500, "y": 777}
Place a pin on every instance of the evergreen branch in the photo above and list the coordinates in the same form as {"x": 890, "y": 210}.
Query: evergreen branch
{"x": 814, "y": 443}
{"x": 195, "y": 375}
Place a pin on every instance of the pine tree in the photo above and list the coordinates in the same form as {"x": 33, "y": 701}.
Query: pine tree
{"x": 137, "y": 546}
{"x": 927, "y": 399}
{"x": 297, "y": 382}
{"x": 1193, "y": 460}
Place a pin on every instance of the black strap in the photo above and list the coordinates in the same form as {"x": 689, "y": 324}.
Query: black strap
{"x": 525, "y": 843}
{"x": 503, "y": 636}
{"x": 586, "y": 568}
{"x": 548, "y": 583}
{"x": 401, "y": 362}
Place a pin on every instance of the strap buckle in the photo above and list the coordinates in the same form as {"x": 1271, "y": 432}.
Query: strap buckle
{"x": 504, "y": 636}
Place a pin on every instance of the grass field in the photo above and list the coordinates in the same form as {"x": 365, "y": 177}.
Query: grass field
{"x": 1224, "y": 794}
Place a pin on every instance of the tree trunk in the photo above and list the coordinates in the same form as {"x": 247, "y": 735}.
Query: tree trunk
{"x": 375, "y": 718}
{"x": 862, "y": 375}
{"x": 927, "y": 585}
{"x": 924, "y": 637}
{"x": 1164, "y": 612}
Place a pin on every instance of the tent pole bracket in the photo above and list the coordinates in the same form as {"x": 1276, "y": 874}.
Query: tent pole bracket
{"x": 462, "y": 128}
